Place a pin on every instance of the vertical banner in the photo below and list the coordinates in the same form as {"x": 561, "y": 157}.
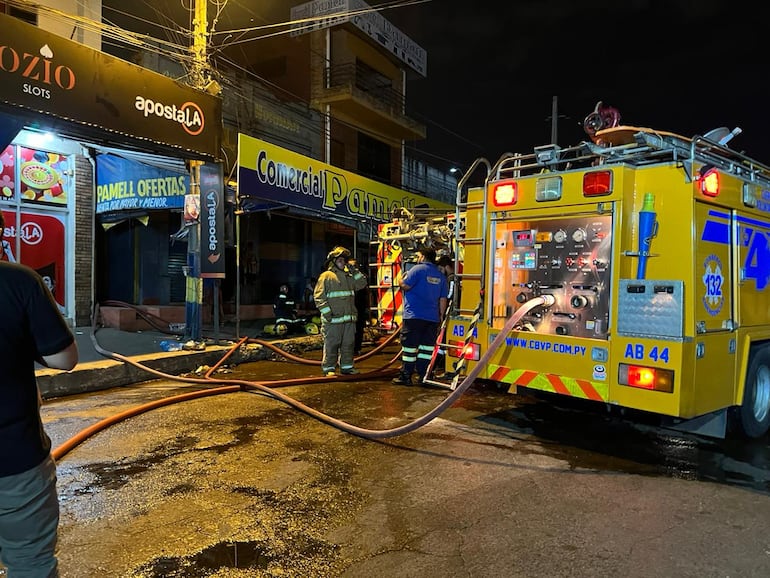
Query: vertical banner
{"x": 212, "y": 216}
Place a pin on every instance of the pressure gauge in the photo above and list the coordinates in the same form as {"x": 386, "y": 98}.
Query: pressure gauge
{"x": 579, "y": 235}
{"x": 560, "y": 236}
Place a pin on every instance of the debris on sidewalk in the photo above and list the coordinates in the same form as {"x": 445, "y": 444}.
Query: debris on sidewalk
{"x": 170, "y": 345}
{"x": 193, "y": 345}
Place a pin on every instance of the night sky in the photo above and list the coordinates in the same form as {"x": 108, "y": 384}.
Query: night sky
{"x": 494, "y": 66}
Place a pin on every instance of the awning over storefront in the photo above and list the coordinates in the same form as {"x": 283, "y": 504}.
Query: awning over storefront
{"x": 123, "y": 184}
{"x": 171, "y": 164}
{"x": 268, "y": 173}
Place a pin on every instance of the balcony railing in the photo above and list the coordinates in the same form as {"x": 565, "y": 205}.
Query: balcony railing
{"x": 363, "y": 81}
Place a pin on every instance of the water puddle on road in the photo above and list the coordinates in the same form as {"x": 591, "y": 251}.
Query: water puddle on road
{"x": 237, "y": 555}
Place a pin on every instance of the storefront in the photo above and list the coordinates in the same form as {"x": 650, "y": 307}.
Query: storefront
{"x": 93, "y": 173}
{"x": 295, "y": 209}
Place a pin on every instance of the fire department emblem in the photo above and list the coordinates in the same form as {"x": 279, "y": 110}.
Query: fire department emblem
{"x": 713, "y": 280}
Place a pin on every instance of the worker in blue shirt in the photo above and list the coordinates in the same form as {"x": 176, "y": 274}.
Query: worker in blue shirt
{"x": 425, "y": 291}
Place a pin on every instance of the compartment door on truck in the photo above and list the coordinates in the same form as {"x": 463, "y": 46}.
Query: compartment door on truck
{"x": 714, "y": 382}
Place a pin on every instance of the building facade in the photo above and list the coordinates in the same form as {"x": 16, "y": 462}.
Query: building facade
{"x": 332, "y": 91}
{"x": 64, "y": 105}
{"x": 339, "y": 76}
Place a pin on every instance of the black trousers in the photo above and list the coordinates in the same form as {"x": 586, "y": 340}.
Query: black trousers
{"x": 418, "y": 339}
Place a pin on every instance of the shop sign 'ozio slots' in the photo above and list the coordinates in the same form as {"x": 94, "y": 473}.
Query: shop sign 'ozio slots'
{"x": 41, "y": 72}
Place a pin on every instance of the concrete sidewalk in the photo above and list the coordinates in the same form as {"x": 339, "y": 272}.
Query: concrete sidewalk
{"x": 131, "y": 343}
{"x": 96, "y": 371}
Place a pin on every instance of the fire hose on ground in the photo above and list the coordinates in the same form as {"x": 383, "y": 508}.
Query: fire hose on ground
{"x": 268, "y": 388}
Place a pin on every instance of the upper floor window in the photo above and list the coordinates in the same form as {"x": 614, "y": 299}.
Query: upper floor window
{"x": 25, "y": 15}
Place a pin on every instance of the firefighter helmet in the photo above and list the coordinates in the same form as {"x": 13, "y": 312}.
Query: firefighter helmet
{"x": 337, "y": 252}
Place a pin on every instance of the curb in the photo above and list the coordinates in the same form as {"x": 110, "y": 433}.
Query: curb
{"x": 99, "y": 375}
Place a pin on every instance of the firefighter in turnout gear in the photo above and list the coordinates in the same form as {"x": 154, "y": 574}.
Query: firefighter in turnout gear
{"x": 335, "y": 298}
{"x": 284, "y": 307}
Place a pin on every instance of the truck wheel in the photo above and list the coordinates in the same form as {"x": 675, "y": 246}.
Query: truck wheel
{"x": 754, "y": 413}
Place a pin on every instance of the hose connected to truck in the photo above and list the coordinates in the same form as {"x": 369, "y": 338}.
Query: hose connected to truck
{"x": 237, "y": 385}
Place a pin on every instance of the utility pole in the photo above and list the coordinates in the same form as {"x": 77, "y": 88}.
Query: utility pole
{"x": 554, "y": 120}
{"x": 199, "y": 68}
{"x": 194, "y": 283}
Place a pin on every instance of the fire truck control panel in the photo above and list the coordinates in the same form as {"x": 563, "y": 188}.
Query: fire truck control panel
{"x": 569, "y": 259}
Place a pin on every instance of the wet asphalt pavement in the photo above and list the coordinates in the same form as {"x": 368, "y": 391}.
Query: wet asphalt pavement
{"x": 240, "y": 484}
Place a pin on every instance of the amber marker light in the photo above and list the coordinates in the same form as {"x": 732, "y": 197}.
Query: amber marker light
{"x": 709, "y": 182}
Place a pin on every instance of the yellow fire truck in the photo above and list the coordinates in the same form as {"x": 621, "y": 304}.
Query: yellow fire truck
{"x": 632, "y": 270}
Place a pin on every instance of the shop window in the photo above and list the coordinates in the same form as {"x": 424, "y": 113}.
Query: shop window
{"x": 33, "y": 176}
{"x": 32, "y": 181}
{"x": 373, "y": 158}
{"x": 42, "y": 177}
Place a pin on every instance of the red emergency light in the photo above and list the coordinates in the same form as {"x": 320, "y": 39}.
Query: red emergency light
{"x": 471, "y": 351}
{"x": 597, "y": 183}
{"x": 505, "y": 193}
{"x": 643, "y": 377}
{"x": 708, "y": 179}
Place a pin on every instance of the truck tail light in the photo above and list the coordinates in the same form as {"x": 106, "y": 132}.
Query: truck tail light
{"x": 597, "y": 183}
{"x": 505, "y": 193}
{"x": 708, "y": 179}
{"x": 642, "y": 377}
{"x": 471, "y": 351}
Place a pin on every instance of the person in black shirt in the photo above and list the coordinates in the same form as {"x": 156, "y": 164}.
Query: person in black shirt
{"x": 32, "y": 329}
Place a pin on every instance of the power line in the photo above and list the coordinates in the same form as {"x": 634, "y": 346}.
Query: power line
{"x": 176, "y": 49}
